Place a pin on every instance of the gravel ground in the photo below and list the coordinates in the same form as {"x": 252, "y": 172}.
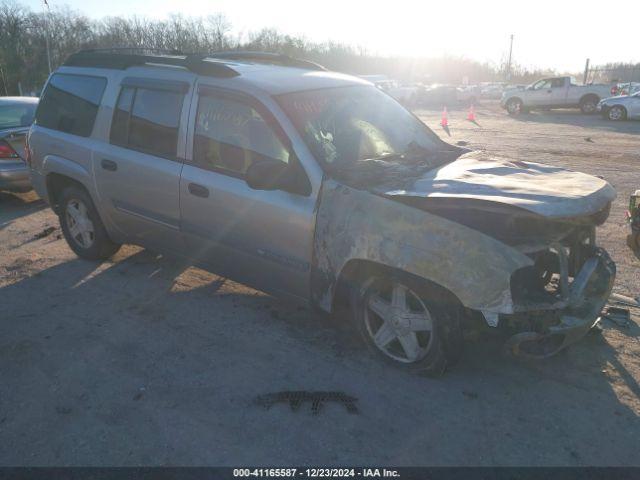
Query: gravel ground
{"x": 141, "y": 361}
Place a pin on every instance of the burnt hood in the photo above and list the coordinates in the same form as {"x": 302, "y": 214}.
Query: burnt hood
{"x": 549, "y": 191}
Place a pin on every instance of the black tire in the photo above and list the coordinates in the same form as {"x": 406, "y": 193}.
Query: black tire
{"x": 514, "y": 106}
{"x": 616, "y": 113}
{"x": 588, "y": 104}
{"x": 100, "y": 247}
{"x": 443, "y": 344}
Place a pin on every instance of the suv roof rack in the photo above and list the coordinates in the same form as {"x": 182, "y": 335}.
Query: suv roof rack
{"x": 266, "y": 57}
{"x": 210, "y": 64}
{"x": 121, "y": 61}
{"x": 134, "y": 50}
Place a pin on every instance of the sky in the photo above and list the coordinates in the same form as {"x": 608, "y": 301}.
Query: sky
{"x": 553, "y": 34}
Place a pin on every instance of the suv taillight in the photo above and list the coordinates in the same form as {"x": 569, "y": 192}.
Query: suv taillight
{"x": 6, "y": 151}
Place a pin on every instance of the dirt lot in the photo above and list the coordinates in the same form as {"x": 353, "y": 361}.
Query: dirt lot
{"x": 140, "y": 361}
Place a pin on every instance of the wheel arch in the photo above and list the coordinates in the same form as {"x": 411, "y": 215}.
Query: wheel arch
{"x": 515, "y": 99}
{"x": 357, "y": 229}
{"x": 60, "y": 172}
{"x": 624, "y": 109}
{"x": 56, "y": 184}
{"x": 356, "y": 270}
{"x": 587, "y": 96}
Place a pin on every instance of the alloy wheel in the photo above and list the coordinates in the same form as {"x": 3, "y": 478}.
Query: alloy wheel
{"x": 398, "y": 322}
{"x": 616, "y": 113}
{"x": 80, "y": 225}
{"x": 514, "y": 107}
{"x": 588, "y": 107}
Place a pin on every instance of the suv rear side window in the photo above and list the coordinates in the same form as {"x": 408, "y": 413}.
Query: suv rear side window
{"x": 147, "y": 120}
{"x": 70, "y": 103}
{"x": 231, "y": 135}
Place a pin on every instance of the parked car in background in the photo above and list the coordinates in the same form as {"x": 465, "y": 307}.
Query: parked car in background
{"x": 437, "y": 95}
{"x": 556, "y": 92}
{"x": 317, "y": 186}
{"x": 16, "y": 116}
{"x": 404, "y": 93}
{"x": 622, "y": 107}
{"x": 492, "y": 91}
{"x": 628, "y": 88}
{"x": 468, "y": 94}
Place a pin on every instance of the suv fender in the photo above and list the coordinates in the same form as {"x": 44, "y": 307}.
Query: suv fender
{"x": 357, "y": 225}
{"x": 55, "y": 165}
{"x": 56, "y": 170}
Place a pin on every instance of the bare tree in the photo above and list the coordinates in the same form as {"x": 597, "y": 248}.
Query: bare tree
{"x": 23, "y": 36}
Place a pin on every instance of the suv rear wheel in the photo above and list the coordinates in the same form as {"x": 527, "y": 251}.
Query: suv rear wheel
{"x": 400, "y": 322}
{"x": 81, "y": 225}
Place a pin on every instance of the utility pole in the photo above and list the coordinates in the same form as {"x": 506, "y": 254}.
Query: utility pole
{"x": 4, "y": 82}
{"x": 509, "y": 62}
{"x": 586, "y": 72}
{"x": 45, "y": 7}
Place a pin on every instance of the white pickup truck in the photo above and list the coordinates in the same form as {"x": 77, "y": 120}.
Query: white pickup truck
{"x": 556, "y": 92}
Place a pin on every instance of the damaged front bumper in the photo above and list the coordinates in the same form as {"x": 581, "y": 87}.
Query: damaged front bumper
{"x": 576, "y": 312}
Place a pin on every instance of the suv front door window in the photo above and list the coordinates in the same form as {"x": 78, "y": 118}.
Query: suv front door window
{"x": 230, "y": 136}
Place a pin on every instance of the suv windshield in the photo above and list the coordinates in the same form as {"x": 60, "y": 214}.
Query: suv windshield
{"x": 351, "y": 128}
{"x": 17, "y": 115}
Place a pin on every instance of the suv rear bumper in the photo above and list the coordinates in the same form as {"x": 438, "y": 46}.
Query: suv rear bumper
{"x": 14, "y": 176}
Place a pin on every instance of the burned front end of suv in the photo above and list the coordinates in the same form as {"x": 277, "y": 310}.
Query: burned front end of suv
{"x": 561, "y": 295}
{"x": 515, "y": 242}
{"x": 558, "y": 297}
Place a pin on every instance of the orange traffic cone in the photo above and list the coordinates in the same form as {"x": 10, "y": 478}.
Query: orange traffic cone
{"x": 445, "y": 121}
{"x": 472, "y": 114}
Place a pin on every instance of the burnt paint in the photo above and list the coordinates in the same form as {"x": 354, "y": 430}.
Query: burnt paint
{"x": 355, "y": 224}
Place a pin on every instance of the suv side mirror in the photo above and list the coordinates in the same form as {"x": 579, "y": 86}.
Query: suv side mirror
{"x": 266, "y": 174}
{"x": 271, "y": 174}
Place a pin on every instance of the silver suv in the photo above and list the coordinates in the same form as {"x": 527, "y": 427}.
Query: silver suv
{"x": 319, "y": 187}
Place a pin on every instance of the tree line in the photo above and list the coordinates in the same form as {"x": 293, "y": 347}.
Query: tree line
{"x": 24, "y": 65}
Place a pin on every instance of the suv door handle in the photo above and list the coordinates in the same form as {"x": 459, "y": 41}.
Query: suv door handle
{"x": 198, "y": 190}
{"x": 109, "y": 165}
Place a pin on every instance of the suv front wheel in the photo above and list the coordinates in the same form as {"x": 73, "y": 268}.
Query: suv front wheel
{"x": 400, "y": 320}
{"x": 81, "y": 225}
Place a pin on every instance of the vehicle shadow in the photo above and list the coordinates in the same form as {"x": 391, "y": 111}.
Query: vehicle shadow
{"x": 578, "y": 119}
{"x": 14, "y": 206}
{"x": 145, "y": 344}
